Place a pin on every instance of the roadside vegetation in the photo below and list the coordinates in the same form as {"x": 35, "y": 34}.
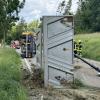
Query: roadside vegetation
{"x": 10, "y": 76}
{"x": 91, "y": 45}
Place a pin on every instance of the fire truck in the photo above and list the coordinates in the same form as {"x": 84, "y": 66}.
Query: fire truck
{"x": 28, "y": 48}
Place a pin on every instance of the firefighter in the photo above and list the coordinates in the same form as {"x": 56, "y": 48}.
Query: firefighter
{"x": 75, "y": 47}
{"x": 80, "y": 47}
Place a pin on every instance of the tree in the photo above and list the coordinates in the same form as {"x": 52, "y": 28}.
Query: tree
{"x": 89, "y": 15}
{"x": 20, "y": 28}
{"x": 68, "y": 8}
{"x": 9, "y": 10}
{"x": 65, "y": 7}
{"x": 16, "y": 31}
{"x": 33, "y": 25}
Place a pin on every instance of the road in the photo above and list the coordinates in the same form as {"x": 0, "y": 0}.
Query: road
{"x": 28, "y": 63}
{"x": 86, "y": 74}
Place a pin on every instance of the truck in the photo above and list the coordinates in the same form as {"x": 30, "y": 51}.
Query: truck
{"x": 28, "y": 48}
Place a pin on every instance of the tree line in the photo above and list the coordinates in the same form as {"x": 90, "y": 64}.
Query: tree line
{"x": 9, "y": 14}
{"x": 11, "y": 26}
{"x": 87, "y": 17}
{"x": 16, "y": 31}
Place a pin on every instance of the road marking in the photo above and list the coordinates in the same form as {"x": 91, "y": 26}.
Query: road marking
{"x": 28, "y": 65}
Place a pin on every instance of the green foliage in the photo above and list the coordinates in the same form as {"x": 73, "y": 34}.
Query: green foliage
{"x": 33, "y": 25}
{"x": 68, "y": 8}
{"x": 65, "y": 7}
{"x": 9, "y": 10}
{"x": 16, "y": 31}
{"x": 19, "y": 28}
{"x": 91, "y": 45}
{"x": 77, "y": 84}
{"x": 10, "y": 76}
{"x": 88, "y": 16}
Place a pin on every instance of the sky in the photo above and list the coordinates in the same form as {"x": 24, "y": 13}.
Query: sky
{"x": 34, "y": 9}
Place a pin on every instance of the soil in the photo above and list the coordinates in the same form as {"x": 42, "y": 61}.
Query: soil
{"x": 36, "y": 90}
{"x": 34, "y": 84}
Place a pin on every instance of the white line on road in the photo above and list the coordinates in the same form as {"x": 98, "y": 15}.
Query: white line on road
{"x": 28, "y": 65}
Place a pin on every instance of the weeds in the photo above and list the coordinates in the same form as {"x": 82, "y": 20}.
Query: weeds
{"x": 38, "y": 77}
{"x": 77, "y": 84}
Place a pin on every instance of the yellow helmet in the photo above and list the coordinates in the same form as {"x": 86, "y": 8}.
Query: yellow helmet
{"x": 79, "y": 41}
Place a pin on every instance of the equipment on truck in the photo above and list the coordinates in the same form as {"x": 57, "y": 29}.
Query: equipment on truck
{"x": 27, "y": 45}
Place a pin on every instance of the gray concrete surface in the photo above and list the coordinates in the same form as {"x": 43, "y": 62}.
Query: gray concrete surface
{"x": 28, "y": 63}
{"x": 87, "y": 74}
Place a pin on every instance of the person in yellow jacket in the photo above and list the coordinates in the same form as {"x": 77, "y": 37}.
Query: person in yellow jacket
{"x": 80, "y": 46}
{"x": 75, "y": 47}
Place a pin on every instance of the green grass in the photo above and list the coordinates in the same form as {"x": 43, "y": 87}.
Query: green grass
{"x": 91, "y": 45}
{"x": 10, "y": 76}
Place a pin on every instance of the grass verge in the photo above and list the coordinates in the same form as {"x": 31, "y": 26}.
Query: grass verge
{"x": 10, "y": 76}
{"x": 91, "y": 45}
